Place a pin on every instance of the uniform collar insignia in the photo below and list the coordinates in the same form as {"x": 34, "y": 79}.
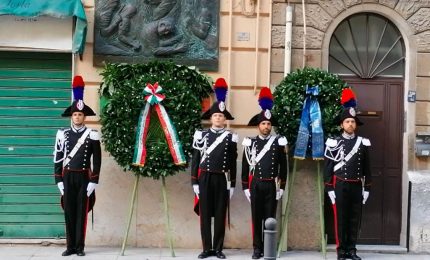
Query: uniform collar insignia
{"x": 264, "y": 138}
{"x": 217, "y": 131}
{"x": 78, "y": 130}
{"x": 348, "y": 136}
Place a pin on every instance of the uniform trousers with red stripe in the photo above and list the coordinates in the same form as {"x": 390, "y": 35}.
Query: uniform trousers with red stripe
{"x": 348, "y": 208}
{"x": 263, "y": 206}
{"x": 75, "y": 208}
{"x": 213, "y": 200}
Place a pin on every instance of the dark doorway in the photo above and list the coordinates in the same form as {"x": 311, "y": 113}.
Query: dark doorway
{"x": 368, "y": 51}
{"x": 381, "y": 104}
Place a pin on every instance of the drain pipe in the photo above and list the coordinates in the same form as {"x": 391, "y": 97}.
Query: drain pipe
{"x": 230, "y": 41}
{"x": 257, "y": 33}
{"x": 75, "y": 58}
{"x": 287, "y": 70}
{"x": 269, "y": 47}
{"x": 288, "y": 38}
{"x": 304, "y": 33}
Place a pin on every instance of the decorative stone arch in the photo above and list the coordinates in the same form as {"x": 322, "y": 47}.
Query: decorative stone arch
{"x": 410, "y": 44}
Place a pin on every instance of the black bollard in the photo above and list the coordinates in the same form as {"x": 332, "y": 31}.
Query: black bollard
{"x": 270, "y": 238}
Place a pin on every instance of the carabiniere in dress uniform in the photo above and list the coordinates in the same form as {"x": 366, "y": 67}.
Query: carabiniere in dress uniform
{"x": 74, "y": 175}
{"x": 264, "y": 170}
{"x": 347, "y": 178}
{"x": 213, "y": 173}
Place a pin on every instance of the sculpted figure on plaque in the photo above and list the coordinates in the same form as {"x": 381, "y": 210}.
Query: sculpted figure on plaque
{"x": 115, "y": 21}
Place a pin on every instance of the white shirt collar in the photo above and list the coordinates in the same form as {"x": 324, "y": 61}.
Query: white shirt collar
{"x": 348, "y": 136}
{"x": 217, "y": 130}
{"x": 264, "y": 138}
{"x": 78, "y": 130}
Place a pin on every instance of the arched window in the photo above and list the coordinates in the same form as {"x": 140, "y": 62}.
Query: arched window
{"x": 367, "y": 45}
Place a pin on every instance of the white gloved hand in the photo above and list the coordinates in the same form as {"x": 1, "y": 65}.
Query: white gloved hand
{"x": 91, "y": 188}
{"x": 196, "y": 189}
{"x": 247, "y": 194}
{"x": 279, "y": 194}
{"x": 332, "y": 196}
{"x": 231, "y": 192}
{"x": 365, "y": 196}
{"x": 60, "y": 186}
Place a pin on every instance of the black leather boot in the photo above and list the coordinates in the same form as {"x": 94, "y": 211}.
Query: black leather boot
{"x": 69, "y": 252}
{"x": 204, "y": 254}
{"x": 257, "y": 254}
{"x": 341, "y": 255}
{"x": 353, "y": 255}
{"x": 220, "y": 255}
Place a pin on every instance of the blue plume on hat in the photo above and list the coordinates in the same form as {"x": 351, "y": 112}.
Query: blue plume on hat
{"x": 265, "y": 99}
{"x": 351, "y": 103}
{"x": 220, "y": 89}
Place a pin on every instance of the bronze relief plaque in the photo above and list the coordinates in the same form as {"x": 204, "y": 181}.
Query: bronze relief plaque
{"x": 137, "y": 31}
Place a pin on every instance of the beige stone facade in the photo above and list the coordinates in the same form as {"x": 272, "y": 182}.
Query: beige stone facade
{"x": 322, "y": 17}
{"x": 244, "y": 64}
{"x": 248, "y": 65}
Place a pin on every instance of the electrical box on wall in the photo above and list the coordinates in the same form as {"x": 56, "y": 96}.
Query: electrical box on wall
{"x": 422, "y": 144}
{"x": 412, "y": 96}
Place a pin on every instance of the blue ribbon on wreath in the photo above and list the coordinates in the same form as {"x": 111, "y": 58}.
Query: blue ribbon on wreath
{"x": 310, "y": 127}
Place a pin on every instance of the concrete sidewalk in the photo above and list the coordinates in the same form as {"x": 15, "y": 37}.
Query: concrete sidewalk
{"x": 51, "y": 252}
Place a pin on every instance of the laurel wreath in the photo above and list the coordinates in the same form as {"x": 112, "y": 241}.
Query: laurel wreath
{"x": 289, "y": 97}
{"x": 122, "y": 99}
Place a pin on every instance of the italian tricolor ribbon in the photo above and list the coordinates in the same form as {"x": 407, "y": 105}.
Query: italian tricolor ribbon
{"x": 153, "y": 98}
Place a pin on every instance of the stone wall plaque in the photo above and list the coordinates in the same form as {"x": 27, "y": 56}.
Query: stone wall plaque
{"x": 137, "y": 31}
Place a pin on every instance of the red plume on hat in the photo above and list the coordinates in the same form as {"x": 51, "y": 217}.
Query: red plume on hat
{"x": 349, "y": 103}
{"x": 348, "y": 98}
{"x": 78, "y": 88}
{"x": 265, "y": 100}
{"x": 78, "y": 81}
{"x": 220, "y": 88}
{"x": 78, "y": 104}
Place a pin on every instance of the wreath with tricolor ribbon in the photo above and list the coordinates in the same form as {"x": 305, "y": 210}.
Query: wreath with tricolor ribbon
{"x": 170, "y": 98}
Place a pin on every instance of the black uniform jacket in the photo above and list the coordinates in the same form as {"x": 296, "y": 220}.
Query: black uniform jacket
{"x": 356, "y": 169}
{"x": 272, "y": 165}
{"x": 221, "y": 160}
{"x": 65, "y": 142}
